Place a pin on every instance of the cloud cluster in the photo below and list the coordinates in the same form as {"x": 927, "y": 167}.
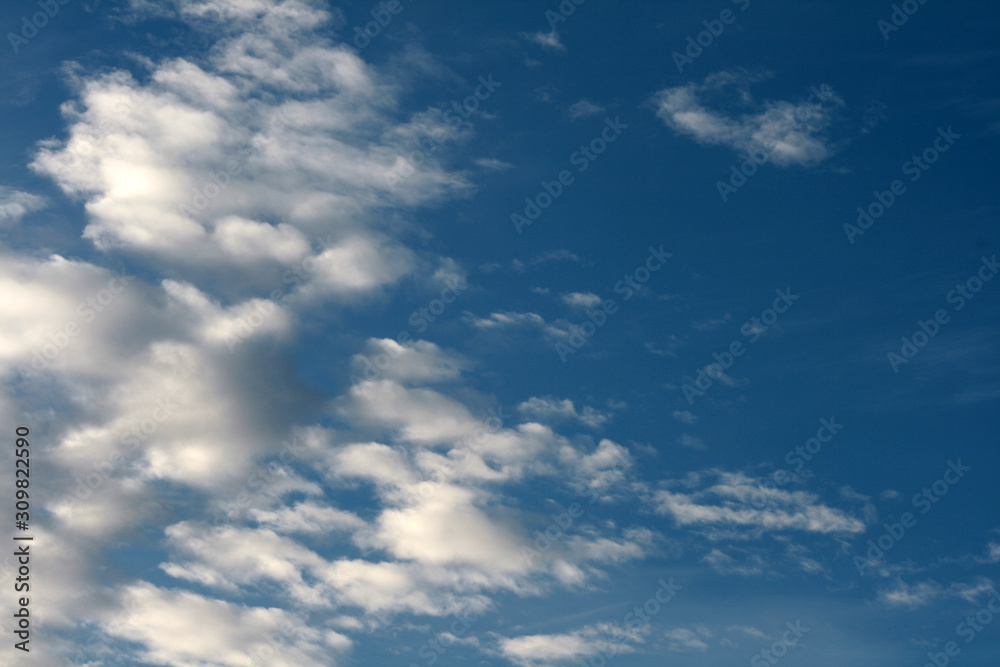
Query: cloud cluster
{"x": 251, "y": 183}
{"x": 267, "y": 155}
{"x": 259, "y": 167}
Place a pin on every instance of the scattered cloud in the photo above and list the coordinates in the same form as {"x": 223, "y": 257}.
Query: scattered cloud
{"x": 548, "y": 40}
{"x": 685, "y": 416}
{"x": 511, "y": 321}
{"x": 15, "y": 204}
{"x": 740, "y": 500}
{"x": 691, "y": 441}
{"x": 493, "y": 164}
{"x": 792, "y": 133}
{"x": 688, "y": 639}
{"x": 583, "y": 109}
{"x": 582, "y": 300}
{"x": 735, "y": 561}
{"x": 551, "y": 409}
{"x": 710, "y": 324}
{"x": 914, "y": 596}
{"x": 570, "y": 647}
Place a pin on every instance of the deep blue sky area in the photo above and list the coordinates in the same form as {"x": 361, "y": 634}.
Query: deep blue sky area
{"x": 427, "y": 466}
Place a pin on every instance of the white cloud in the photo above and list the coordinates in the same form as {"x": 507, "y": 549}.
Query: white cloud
{"x": 307, "y": 517}
{"x": 691, "y": 442}
{"x": 506, "y": 319}
{"x": 416, "y": 361}
{"x": 180, "y": 628}
{"x": 735, "y": 561}
{"x": 740, "y": 500}
{"x": 202, "y": 169}
{"x": 915, "y": 596}
{"x": 584, "y": 108}
{"x": 570, "y": 647}
{"x": 799, "y": 554}
{"x": 688, "y": 639}
{"x": 417, "y": 415}
{"x": 493, "y": 164}
{"x": 288, "y": 140}
{"x": 449, "y": 528}
{"x": 581, "y": 299}
{"x": 596, "y": 473}
{"x": 548, "y": 40}
{"x": 724, "y": 377}
{"x": 554, "y": 410}
{"x": 791, "y": 132}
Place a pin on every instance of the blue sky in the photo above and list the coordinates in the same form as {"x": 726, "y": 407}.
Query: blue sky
{"x": 508, "y": 334}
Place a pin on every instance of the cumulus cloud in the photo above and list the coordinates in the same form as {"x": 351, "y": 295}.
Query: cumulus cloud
{"x": 791, "y": 133}
{"x": 260, "y": 165}
{"x": 599, "y": 471}
{"x": 265, "y": 163}
{"x": 512, "y": 321}
{"x": 184, "y": 628}
{"x": 581, "y": 299}
{"x": 415, "y": 361}
{"x": 15, "y": 204}
{"x": 243, "y": 162}
{"x": 307, "y": 517}
{"x": 733, "y": 560}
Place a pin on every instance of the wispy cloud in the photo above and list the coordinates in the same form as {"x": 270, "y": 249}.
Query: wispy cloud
{"x": 584, "y": 108}
{"x": 921, "y": 594}
{"x": 551, "y": 409}
{"x": 791, "y": 132}
{"x": 685, "y": 416}
{"x": 737, "y": 499}
{"x": 690, "y": 441}
{"x": 548, "y": 40}
{"x": 688, "y": 639}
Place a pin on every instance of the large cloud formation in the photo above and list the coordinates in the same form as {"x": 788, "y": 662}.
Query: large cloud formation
{"x": 253, "y": 186}
{"x": 256, "y": 185}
